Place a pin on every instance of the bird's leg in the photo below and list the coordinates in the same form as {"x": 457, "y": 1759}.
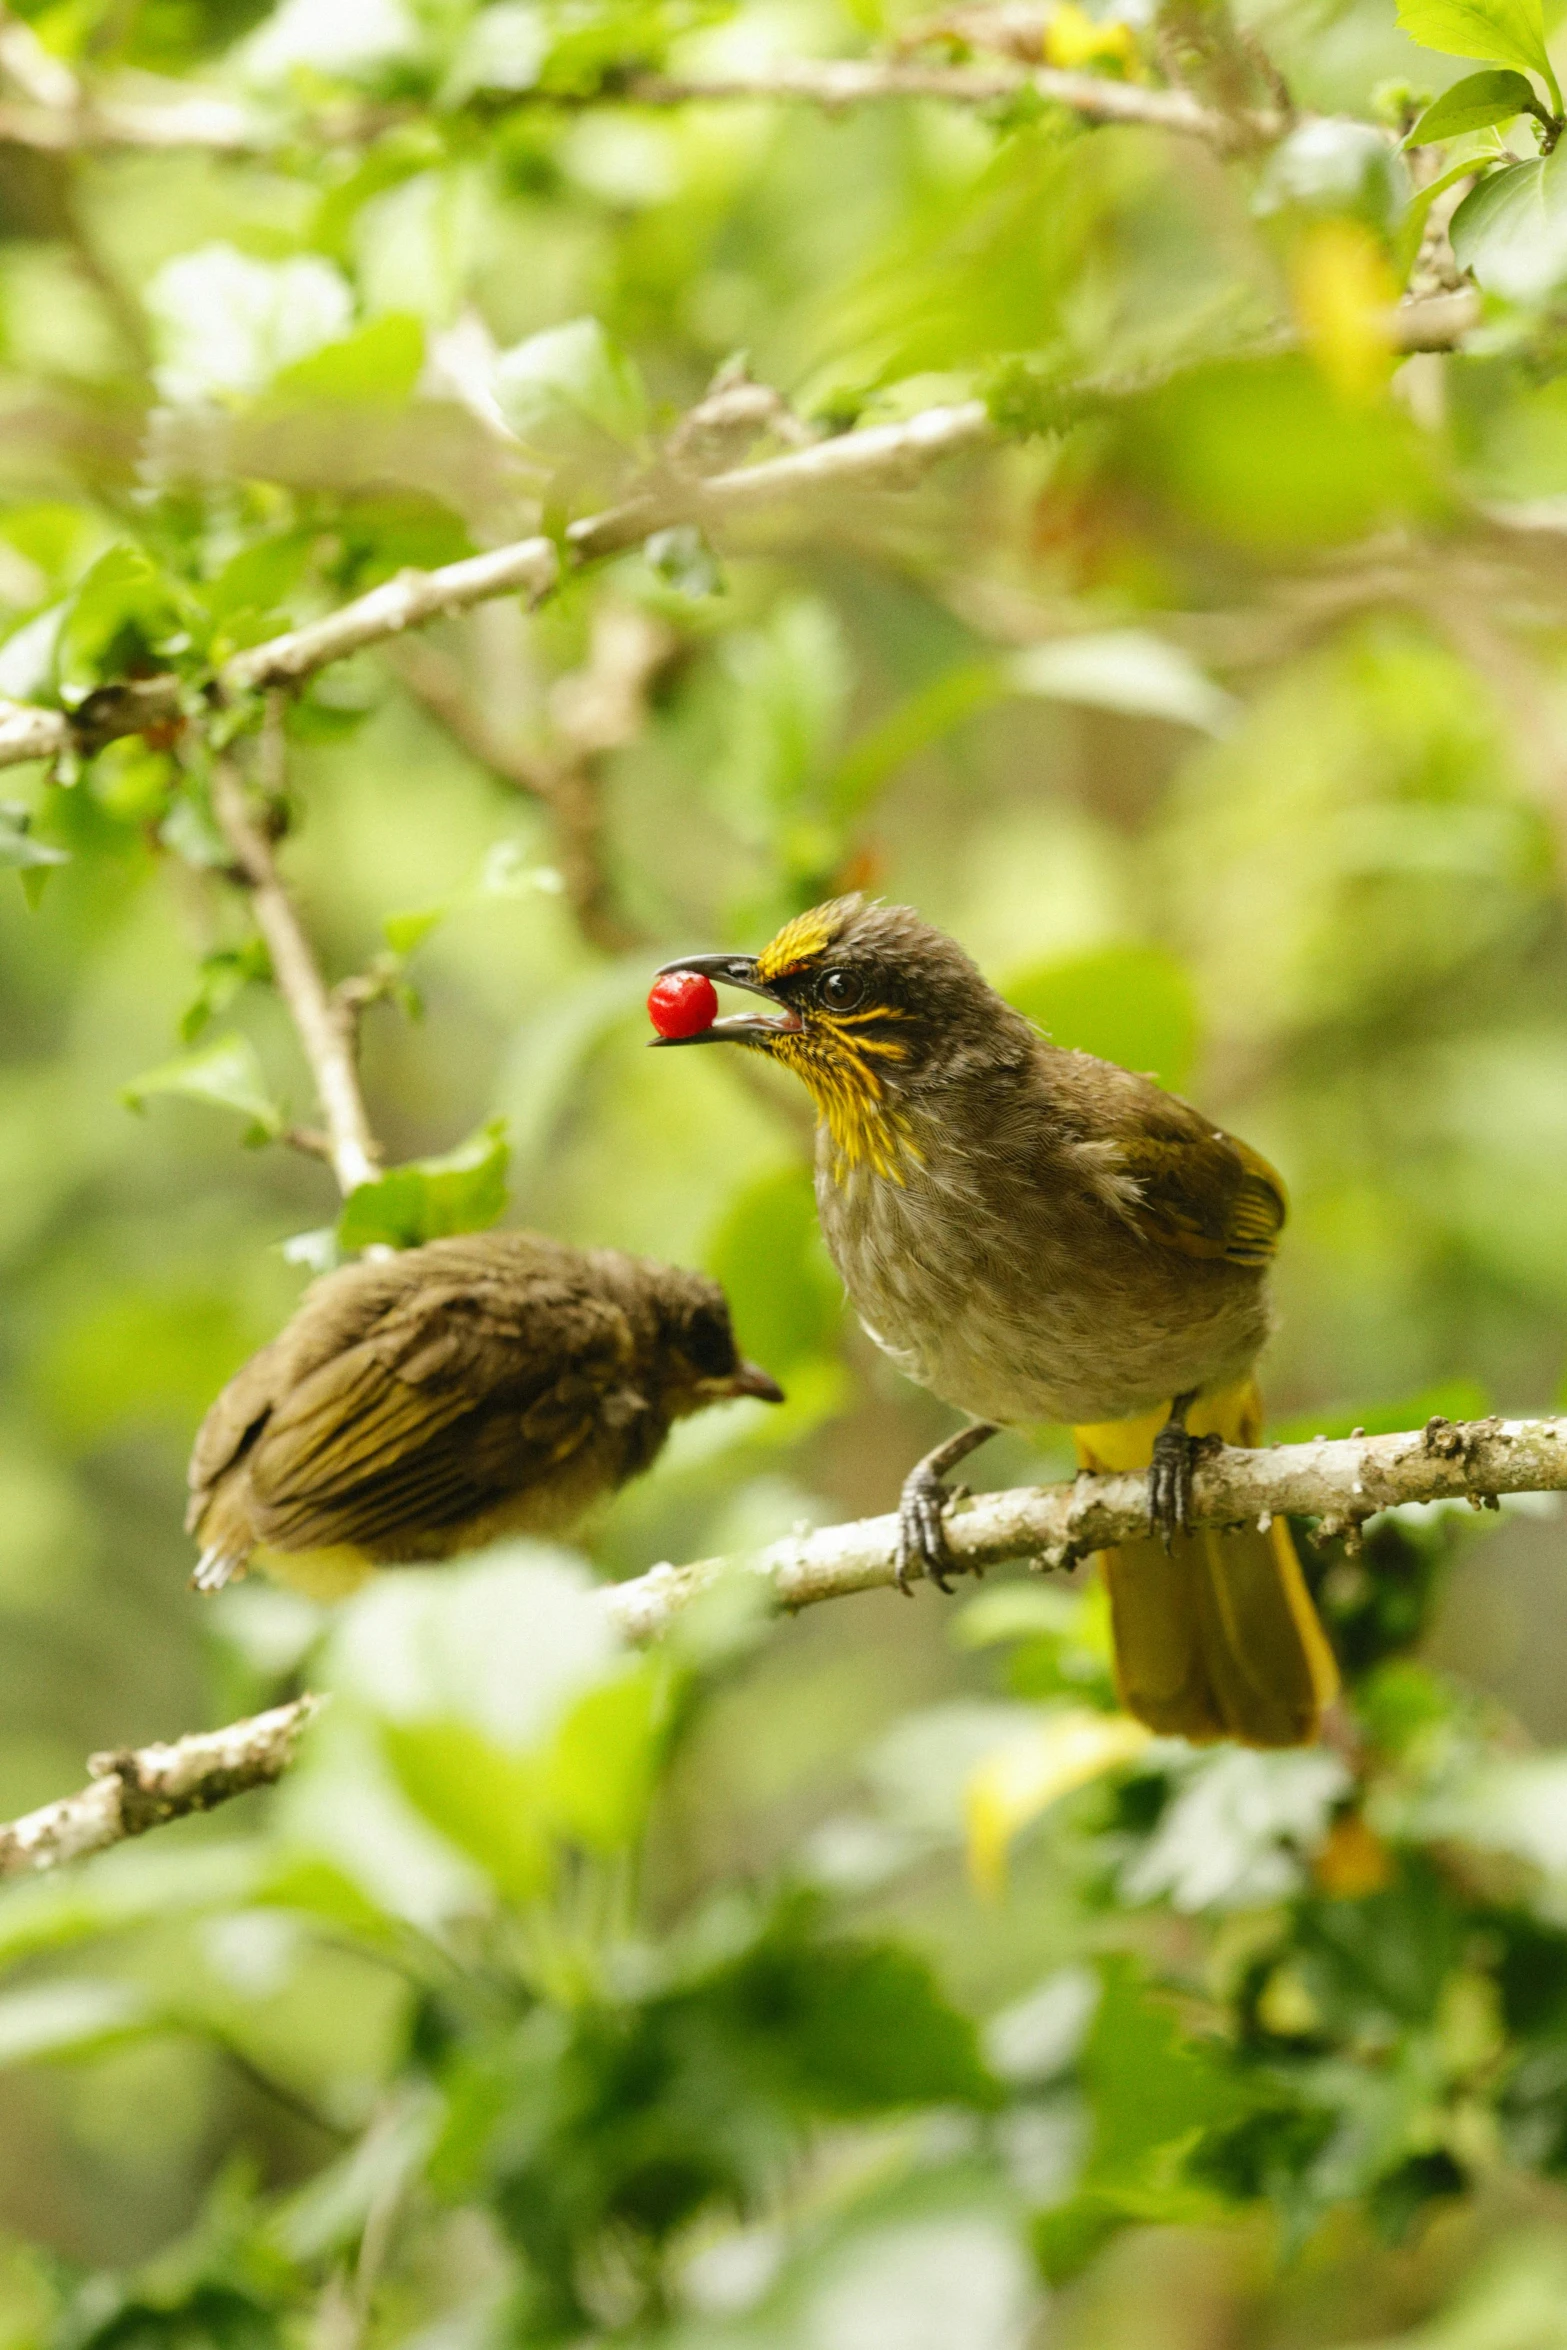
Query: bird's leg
{"x": 1170, "y": 1476}
{"x": 922, "y": 1536}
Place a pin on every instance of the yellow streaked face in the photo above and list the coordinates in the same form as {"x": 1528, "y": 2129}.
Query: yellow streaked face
{"x": 835, "y": 1021}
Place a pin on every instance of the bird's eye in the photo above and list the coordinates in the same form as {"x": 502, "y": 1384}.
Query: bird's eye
{"x": 710, "y": 1345}
{"x": 840, "y": 991}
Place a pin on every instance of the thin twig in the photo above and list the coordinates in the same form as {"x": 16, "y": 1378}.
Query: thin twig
{"x": 63, "y": 117}
{"x": 134, "y": 1789}
{"x": 840, "y": 82}
{"x": 882, "y": 457}
{"x": 591, "y": 711}
{"x": 326, "y": 1019}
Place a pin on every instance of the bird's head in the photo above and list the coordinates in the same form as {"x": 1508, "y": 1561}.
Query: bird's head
{"x": 875, "y": 1010}
{"x": 694, "y": 1358}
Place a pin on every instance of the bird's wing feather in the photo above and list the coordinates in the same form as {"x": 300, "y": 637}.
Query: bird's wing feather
{"x": 1204, "y": 1193}
{"x": 454, "y": 1400}
{"x": 232, "y": 1422}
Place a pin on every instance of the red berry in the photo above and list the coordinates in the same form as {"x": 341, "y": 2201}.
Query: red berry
{"x": 682, "y": 1003}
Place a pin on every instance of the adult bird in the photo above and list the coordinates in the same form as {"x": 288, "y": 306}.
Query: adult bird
{"x": 1036, "y": 1234}
{"x": 424, "y": 1404}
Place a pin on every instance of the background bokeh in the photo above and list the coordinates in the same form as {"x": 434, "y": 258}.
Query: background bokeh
{"x": 1219, "y": 712}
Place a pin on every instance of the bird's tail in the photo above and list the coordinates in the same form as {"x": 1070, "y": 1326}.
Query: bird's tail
{"x": 1215, "y": 1637}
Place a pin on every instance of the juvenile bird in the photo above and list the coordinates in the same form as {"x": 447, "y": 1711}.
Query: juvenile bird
{"x": 497, "y": 1383}
{"x": 1036, "y": 1234}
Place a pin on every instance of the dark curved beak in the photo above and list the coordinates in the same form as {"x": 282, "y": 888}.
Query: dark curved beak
{"x": 751, "y": 1379}
{"x": 733, "y": 971}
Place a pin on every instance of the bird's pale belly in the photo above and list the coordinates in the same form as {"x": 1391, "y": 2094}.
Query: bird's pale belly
{"x": 1033, "y": 1332}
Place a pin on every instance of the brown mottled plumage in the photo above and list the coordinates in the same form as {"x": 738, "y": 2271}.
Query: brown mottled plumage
{"x": 424, "y": 1404}
{"x": 1035, "y": 1234}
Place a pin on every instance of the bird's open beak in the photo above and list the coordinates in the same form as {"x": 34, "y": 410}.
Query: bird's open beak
{"x": 733, "y": 971}
{"x": 751, "y": 1379}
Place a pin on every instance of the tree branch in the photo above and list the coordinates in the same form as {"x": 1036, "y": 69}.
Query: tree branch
{"x": 882, "y": 457}
{"x": 1340, "y": 1484}
{"x": 885, "y": 456}
{"x": 184, "y": 118}
{"x": 136, "y": 1788}
{"x": 839, "y": 82}
{"x": 326, "y": 1019}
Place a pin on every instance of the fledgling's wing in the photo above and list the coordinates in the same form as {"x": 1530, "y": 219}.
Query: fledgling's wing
{"x": 455, "y": 1399}
{"x": 233, "y": 1422}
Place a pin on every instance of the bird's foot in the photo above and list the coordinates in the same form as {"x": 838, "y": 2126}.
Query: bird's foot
{"x": 1170, "y": 1484}
{"x": 923, "y": 1548}
{"x": 1175, "y": 1455}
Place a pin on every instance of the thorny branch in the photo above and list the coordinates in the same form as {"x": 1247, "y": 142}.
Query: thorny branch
{"x": 136, "y": 1788}
{"x": 1339, "y": 1483}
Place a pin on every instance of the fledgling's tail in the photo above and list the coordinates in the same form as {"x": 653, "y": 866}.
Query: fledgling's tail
{"x": 1215, "y": 1637}
{"x": 215, "y": 1568}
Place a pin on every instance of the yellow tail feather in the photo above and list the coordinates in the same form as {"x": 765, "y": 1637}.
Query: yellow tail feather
{"x": 1215, "y": 1637}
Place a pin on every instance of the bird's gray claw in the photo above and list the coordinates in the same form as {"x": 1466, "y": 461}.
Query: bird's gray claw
{"x": 923, "y": 1547}
{"x": 1170, "y": 1483}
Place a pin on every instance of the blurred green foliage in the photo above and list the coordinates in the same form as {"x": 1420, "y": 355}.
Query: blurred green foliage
{"x": 560, "y": 1994}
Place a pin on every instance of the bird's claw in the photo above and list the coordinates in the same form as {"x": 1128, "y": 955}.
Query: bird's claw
{"x": 923, "y": 1548}
{"x": 1170, "y": 1482}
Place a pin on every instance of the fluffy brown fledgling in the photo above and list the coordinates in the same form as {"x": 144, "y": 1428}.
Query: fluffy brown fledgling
{"x": 1036, "y": 1234}
{"x": 424, "y": 1404}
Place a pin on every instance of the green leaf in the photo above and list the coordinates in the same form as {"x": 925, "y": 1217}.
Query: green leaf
{"x": 404, "y": 932}
{"x": 462, "y": 1191}
{"x": 133, "y": 1885}
{"x": 1131, "y": 1004}
{"x": 1512, "y": 229}
{"x": 227, "y": 323}
{"x": 1155, "y": 2095}
{"x": 375, "y": 368}
{"x": 485, "y": 1801}
{"x": 225, "y": 1072}
{"x": 849, "y": 2027}
{"x": 1477, "y": 103}
{"x": 248, "y": 598}
{"x": 571, "y": 373}
{"x": 224, "y": 974}
{"x": 603, "y": 1762}
{"x": 17, "y": 845}
{"x": 768, "y": 1253}
{"x": 1152, "y": 2087}
{"x": 68, "y": 2019}
{"x": 1504, "y": 32}
{"x": 126, "y": 613}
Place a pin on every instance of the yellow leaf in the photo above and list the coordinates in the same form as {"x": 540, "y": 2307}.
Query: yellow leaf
{"x": 1073, "y": 38}
{"x": 1343, "y": 289}
{"x": 1012, "y": 1786}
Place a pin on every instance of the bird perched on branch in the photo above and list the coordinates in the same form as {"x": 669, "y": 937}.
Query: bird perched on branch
{"x": 1035, "y": 1234}
{"x": 497, "y": 1383}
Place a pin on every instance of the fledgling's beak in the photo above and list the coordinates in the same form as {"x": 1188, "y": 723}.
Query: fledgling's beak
{"x": 733, "y": 971}
{"x": 751, "y": 1379}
